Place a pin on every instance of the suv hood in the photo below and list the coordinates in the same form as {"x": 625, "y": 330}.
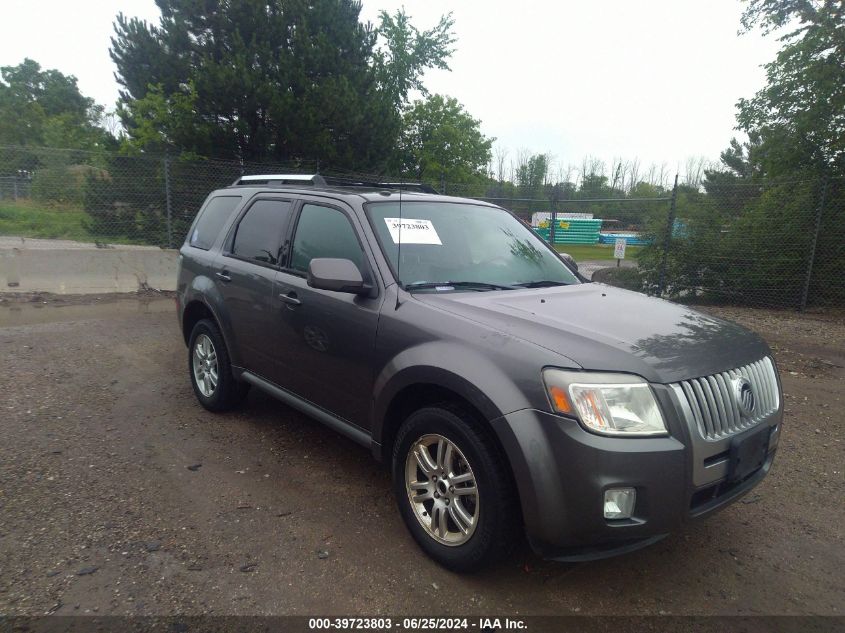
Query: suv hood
{"x": 609, "y": 329}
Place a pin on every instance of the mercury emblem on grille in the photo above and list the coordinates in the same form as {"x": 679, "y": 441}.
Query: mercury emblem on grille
{"x": 744, "y": 394}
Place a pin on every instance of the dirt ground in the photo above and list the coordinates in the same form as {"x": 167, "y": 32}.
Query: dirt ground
{"x": 120, "y": 495}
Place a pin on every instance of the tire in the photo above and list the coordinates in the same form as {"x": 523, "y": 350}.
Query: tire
{"x": 210, "y": 369}
{"x": 475, "y": 456}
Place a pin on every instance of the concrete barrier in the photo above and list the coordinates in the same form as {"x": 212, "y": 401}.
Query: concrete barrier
{"x": 86, "y": 270}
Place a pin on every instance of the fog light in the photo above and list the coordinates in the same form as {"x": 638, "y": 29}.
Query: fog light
{"x": 619, "y": 503}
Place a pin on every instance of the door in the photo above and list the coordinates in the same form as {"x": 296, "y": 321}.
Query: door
{"x": 329, "y": 337}
{"x": 245, "y": 275}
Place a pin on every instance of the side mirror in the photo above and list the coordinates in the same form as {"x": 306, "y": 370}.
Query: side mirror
{"x": 339, "y": 275}
{"x": 569, "y": 260}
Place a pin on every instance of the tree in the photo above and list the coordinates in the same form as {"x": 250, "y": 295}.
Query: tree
{"x": 440, "y": 140}
{"x": 45, "y": 107}
{"x": 531, "y": 174}
{"x": 41, "y": 108}
{"x": 277, "y": 80}
{"x": 799, "y": 116}
{"x": 406, "y": 53}
{"x": 756, "y": 234}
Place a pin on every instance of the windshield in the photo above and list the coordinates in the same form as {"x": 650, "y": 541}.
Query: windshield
{"x": 472, "y": 246}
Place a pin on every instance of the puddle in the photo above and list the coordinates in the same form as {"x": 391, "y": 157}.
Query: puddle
{"x": 32, "y": 313}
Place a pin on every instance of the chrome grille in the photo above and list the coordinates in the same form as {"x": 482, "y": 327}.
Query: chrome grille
{"x": 710, "y": 402}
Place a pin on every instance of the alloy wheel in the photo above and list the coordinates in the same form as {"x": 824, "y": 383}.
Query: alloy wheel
{"x": 442, "y": 489}
{"x": 206, "y": 372}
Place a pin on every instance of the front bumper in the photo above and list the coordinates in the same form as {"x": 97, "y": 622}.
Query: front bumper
{"x": 562, "y": 471}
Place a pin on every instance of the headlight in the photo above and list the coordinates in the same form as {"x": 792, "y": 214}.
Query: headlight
{"x": 609, "y": 404}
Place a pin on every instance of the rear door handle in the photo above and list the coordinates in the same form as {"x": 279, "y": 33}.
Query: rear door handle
{"x": 290, "y": 299}
{"x": 223, "y": 276}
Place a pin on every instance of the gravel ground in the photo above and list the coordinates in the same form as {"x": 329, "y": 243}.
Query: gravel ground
{"x": 120, "y": 495}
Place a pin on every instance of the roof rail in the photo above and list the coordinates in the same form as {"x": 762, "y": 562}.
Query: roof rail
{"x": 316, "y": 180}
{"x": 409, "y": 186}
{"x": 281, "y": 179}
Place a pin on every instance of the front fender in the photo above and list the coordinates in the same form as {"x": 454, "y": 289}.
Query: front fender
{"x": 461, "y": 369}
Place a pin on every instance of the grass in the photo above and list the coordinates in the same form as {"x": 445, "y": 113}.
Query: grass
{"x": 583, "y": 252}
{"x": 26, "y": 218}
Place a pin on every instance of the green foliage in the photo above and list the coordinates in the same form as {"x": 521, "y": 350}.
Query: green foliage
{"x": 440, "y": 140}
{"x": 748, "y": 238}
{"x": 753, "y": 254}
{"x": 162, "y": 121}
{"x": 45, "y": 108}
{"x": 622, "y": 277}
{"x": 799, "y": 115}
{"x": 26, "y": 219}
{"x": 406, "y": 53}
{"x": 127, "y": 201}
{"x": 62, "y": 185}
{"x": 41, "y": 108}
{"x": 280, "y": 80}
{"x": 531, "y": 176}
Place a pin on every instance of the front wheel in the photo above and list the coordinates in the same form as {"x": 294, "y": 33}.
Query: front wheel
{"x": 454, "y": 492}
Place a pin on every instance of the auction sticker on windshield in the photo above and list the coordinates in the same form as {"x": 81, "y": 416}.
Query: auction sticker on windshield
{"x": 412, "y": 231}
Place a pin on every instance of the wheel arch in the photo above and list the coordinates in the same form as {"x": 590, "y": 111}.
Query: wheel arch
{"x": 418, "y": 395}
{"x": 195, "y": 311}
{"x": 412, "y": 397}
{"x": 203, "y": 300}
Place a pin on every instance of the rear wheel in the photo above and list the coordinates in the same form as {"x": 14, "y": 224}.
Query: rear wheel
{"x": 454, "y": 492}
{"x": 211, "y": 371}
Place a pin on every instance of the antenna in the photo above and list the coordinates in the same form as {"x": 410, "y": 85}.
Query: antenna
{"x": 399, "y": 246}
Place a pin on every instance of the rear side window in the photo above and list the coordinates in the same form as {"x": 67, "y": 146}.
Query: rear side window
{"x": 259, "y": 233}
{"x": 324, "y": 232}
{"x": 213, "y": 217}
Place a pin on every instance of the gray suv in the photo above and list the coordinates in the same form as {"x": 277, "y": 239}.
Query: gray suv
{"x": 506, "y": 394}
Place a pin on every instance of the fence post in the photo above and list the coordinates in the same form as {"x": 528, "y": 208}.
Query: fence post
{"x": 167, "y": 200}
{"x": 670, "y": 224}
{"x": 443, "y": 184}
{"x": 814, "y": 241}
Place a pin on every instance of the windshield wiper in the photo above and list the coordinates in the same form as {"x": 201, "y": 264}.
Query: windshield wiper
{"x": 543, "y": 283}
{"x": 476, "y": 285}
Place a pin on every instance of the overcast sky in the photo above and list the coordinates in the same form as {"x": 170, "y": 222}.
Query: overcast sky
{"x": 655, "y": 79}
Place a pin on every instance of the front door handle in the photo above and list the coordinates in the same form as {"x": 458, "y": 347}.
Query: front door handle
{"x": 290, "y": 299}
{"x": 223, "y": 276}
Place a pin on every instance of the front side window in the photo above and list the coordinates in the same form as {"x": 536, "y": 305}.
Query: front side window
{"x": 324, "y": 232}
{"x": 260, "y": 231}
{"x": 211, "y": 221}
{"x": 469, "y": 245}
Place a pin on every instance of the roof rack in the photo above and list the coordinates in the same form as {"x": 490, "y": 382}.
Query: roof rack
{"x": 316, "y": 180}
{"x": 409, "y": 186}
{"x": 281, "y": 179}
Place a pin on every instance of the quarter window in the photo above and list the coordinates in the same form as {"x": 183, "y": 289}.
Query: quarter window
{"x": 259, "y": 233}
{"x": 212, "y": 219}
{"x": 324, "y": 232}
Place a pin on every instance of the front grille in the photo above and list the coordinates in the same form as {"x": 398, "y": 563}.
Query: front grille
{"x": 712, "y": 405}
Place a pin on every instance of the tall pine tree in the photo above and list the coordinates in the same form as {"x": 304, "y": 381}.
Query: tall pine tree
{"x": 258, "y": 80}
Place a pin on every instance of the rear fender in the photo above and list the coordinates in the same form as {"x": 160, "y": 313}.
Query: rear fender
{"x": 204, "y": 290}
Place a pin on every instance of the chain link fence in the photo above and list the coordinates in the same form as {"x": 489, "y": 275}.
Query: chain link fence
{"x": 767, "y": 244}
